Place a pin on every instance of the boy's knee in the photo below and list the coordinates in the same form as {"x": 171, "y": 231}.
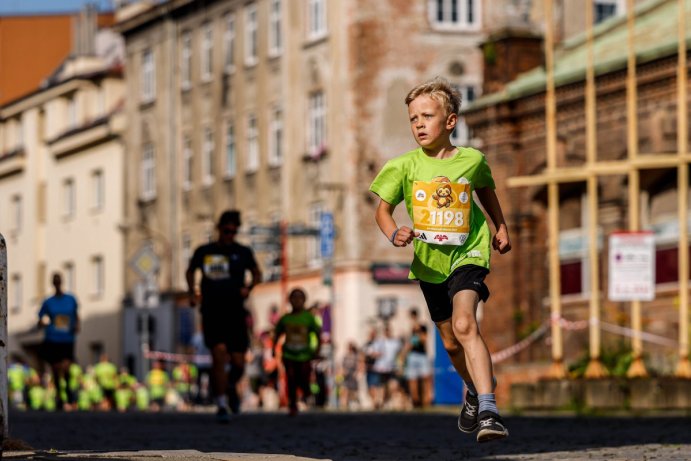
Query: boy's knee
{"x": 464, "y": 325}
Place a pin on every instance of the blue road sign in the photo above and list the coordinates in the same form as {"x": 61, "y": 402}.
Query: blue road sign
{"x": 326, "y": 235}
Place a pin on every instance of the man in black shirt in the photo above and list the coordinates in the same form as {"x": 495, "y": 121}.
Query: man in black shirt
{"x": 224, "y": 264}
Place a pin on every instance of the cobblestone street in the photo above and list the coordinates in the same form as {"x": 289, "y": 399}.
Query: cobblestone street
{"x": 358, "y": 436}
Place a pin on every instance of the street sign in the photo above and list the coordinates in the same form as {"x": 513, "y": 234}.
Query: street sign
{"x": 145, "y": 262}
{"x": 326, "y": 235}
{"x": 265, "y": 246}
{"x": 273, "y": 230}
{"x": 632, "y": 266}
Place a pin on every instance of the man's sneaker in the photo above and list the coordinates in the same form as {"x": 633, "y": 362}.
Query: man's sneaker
{"x": 491, "y": 427}
{"x": 222, "y": 415}
{"x": 467, "y": 420}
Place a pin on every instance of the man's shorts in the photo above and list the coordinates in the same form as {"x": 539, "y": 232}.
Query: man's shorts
{"x": 53, "y": 352}
{"x": 439, "y": 296}
{"x": 417, "y": 366}
{"x": 230, "y": 330}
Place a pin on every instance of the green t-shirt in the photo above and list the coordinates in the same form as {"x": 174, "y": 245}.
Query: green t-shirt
{"x": 17, "y": 376}
{"x": 106, "y": 375}
{"x": 299, "y": 329}
{"x": 394, "y": 184}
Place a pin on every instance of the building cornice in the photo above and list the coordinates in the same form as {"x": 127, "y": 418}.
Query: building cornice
{"x": 12, "y": 162}
{"x": 42, "y": 95}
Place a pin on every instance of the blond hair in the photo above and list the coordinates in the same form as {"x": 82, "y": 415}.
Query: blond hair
{"x": 440, "y": 89}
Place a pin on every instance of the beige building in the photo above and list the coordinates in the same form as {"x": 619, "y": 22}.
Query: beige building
{"x": 61, "y": 179}
{"x": 286, "y": 110}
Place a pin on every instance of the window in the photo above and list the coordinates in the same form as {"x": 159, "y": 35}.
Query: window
{"x": 148, "y": 172}
{"x": 186, "y": 253}
{"x": 20, "y": 132}
{"x": 207, "y": 51}
{"x": 101, "y": 101}
{"x": 605, "y": 9}
{"x": 68, "y": 277}
{"x": 187, "y": 165}
{"x": 455, "y": 14}
{"x": 208, "y": 157}
{"x": 231, "y": 154}
{"x": 186, "y": 61}
{"x": 316, "y": 17}
{"x": 98, "y": 274}
{"x": 276, "y": 138}
{"x": 252, "y": 145}
{"x": 314, "y": 219}
{"x": 17, "y": 212}
{"x": 98, "y": 190}
{"x": 69, "y": 198}
{"x": 275, "y": 39}
{"x": 71, "y": 113}
{"x": 666, "y": 229}
{"x": 316, "y": 124}
{"x": 148, "y": 88}
{"x": 15, "y": 294}
{"x": 461, "y": 134}
{"x": 229, "y": 43}
{"x": 251, "y": 35}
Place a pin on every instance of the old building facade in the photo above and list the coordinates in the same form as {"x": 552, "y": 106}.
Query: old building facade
{"x": 61, "y": 179}
{"x": 287, "y": 110}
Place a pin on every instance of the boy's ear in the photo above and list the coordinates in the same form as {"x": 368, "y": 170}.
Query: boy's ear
{"x": 451, "y": 121}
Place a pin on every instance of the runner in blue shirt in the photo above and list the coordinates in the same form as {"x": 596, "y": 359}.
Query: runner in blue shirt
{"x": 58, "y": 315}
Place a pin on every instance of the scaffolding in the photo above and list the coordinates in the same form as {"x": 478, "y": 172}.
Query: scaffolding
{"x": 632, "y": 166}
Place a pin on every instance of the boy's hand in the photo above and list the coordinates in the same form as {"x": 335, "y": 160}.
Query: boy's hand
{"x": 501, "y": 241}
{"x": 403, "y": 237}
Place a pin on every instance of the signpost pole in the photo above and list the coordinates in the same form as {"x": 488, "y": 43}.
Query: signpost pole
{"x": 283, "y": 238}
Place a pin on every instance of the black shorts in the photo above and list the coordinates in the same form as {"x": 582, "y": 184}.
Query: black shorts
{"x": 439, "y": 296}
{"x": 57, "y": 352}
{"x": 228, "y": 330}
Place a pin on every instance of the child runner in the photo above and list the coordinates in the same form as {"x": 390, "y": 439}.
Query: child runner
{"x": 299, "y": 327}
{"x": 451, "y": 239}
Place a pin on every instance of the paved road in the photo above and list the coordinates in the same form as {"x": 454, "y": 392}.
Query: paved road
{"x": 360, "y": 436}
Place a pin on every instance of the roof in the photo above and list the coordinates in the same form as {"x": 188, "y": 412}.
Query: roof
{"x": 655, "y": 36}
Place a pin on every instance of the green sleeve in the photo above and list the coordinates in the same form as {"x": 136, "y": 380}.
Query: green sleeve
{"x": 316, "y": 327}
{"x": 388, "y": 184}
{"x": 483, "y": 174}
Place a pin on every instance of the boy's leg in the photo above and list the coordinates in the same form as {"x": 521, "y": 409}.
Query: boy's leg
{"x": 466, "y": 331}
{"x": 479, "y": 365}
{"x": 454, "y": 349}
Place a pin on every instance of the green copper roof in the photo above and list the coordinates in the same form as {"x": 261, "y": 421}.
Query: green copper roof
{"x": 656, "y": 32}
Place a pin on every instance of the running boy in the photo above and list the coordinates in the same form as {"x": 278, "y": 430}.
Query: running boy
{"x": 451, "y": 239}
{"x": 299, "y": 327}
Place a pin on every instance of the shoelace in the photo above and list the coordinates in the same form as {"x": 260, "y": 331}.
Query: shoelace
{"x": 490, "y": 421}
{"x": 487, "y": 422}
{"x": 470, "y": 410}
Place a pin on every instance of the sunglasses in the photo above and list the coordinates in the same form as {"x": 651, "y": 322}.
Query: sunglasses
{"x": 229, "y": 231}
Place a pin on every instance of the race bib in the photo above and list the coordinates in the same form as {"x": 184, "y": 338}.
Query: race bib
{"x": 441, "y": 211}
{"x": 62, "y": 322}
{"x": 297, "y": 337}
{"x": 216, "y": 267}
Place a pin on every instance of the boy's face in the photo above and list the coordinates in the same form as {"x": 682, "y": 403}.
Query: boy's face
{"x": 429, "y": 122}
{"x": 297, "y": 300}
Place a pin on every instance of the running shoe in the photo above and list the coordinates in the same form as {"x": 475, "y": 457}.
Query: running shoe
{"x": 491, "y": 427}
{"x": 222, "y": 415}
{"x": 467, "y": 420}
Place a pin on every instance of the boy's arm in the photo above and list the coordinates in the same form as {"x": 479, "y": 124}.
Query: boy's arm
{"x": 490, "y": 202}
{"x": 398, "y": 236}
